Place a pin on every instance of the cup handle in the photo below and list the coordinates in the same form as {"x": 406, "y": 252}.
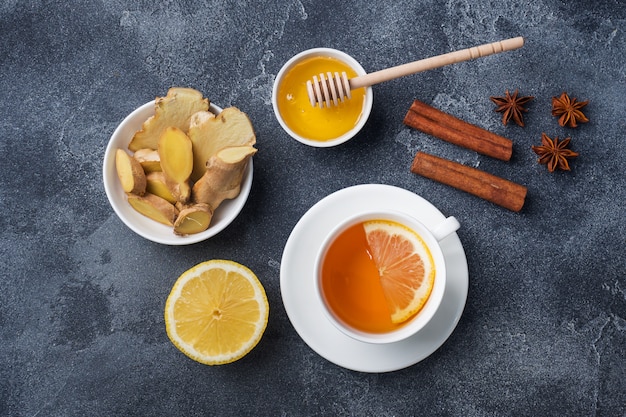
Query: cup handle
{"x": 445, "y": 228}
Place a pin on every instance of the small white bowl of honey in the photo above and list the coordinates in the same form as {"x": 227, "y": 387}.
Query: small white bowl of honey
{"x": 319, "y": 126}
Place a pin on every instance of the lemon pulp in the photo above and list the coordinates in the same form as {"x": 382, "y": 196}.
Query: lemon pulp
{"x": 317, "y": 123}
{"x": 216, "y": 312}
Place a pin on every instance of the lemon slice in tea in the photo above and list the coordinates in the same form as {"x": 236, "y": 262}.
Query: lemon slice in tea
{"x": 405, "y": 265}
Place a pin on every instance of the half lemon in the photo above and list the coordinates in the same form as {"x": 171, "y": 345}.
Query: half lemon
{"x": 216, "y": 312}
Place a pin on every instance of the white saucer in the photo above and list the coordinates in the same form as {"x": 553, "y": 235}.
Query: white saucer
{"x": 305, "y": 311}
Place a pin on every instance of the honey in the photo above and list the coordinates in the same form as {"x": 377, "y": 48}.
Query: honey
{"x": 350, "y": 283}
{"x": 315, "y": 123}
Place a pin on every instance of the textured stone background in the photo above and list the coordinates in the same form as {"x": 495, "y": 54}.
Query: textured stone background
{"x": 81, "y": 296}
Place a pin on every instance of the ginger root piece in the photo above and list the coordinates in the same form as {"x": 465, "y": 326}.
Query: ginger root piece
{"x": 176, "y": 155}
{"x": 209, "y": 135}
{"x": 193, "y": 219}
{"x": 130, "y": 173}
{"x": 149, "y": 160}
{"x": 175, "y": 109}
{"x": 154, "y": 207}
{"x": 157, "y": 185}
{"x": 200, "y": 117}
{"x": 222, "y": 179}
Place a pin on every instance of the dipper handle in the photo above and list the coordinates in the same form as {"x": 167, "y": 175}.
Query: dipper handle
{"x": 331, "y": 88}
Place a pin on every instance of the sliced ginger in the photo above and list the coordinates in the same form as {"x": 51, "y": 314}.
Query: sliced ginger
{"x": 173, "y": 110}
{"x": 176, "y": 155}
{"x": 193, "y": 219}
{"x": 130, "y": 173}
{"x": 157, "y": 185}
{"x": 154, "y": 207}
{"x": 223, "y": 176}
{"x": 209, "y": 135}
{"x": 182, "y": 145}
{"x": 149, "y": 160}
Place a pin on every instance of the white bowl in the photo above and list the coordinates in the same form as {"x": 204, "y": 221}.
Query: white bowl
{"x": 142, "y": 225}
{"x": 333, "y": 53}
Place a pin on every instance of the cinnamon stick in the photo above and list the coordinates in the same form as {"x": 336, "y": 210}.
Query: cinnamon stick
{"x": 444, "y": 126}
{"x": 497, "y": 190}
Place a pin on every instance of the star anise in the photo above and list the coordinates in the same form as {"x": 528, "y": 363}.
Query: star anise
{"x": 554, "y": 153}
{"x": 512, "y": 107}
{"x": 568, "y": 110}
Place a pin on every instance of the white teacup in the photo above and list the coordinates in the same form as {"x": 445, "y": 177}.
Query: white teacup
{"x": 336, "y": 310}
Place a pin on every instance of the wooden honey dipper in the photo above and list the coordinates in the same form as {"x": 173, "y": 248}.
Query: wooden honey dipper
{"x": 331, "y": 88}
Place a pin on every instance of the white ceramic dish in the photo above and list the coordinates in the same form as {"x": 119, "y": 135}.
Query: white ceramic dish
{"x": 143, "y": 226}
{"x": 297, "y": 282}
{"x": 333, "y": 53}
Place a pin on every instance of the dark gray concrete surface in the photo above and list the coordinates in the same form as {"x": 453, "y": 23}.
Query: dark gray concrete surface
{"x": 81, "y": 296}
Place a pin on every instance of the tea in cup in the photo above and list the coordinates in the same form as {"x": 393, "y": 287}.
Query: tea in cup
{"x": 381, "y": 275}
